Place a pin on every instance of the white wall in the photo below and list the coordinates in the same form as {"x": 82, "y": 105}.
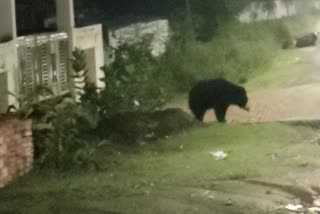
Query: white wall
{"x": 132, "y": 33}
{"x": 7, "y": 19}
{"x": 9, "y": 64}
{"x": 91, "y": 37}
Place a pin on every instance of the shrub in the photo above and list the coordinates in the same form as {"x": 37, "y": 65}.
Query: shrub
{"x": 133, "y": 81}
{"x": 236, "y": 52}
{"x": 63, "y": 129}
{"x": 69, "y": 142}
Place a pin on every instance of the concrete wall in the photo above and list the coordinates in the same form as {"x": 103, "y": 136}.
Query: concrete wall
{"x": 9, "y": 64}
{"x": 16, "y": 148}
{"x": 7, "y": 20}
{"x": 132, "y": 33}
{"x": 88, "y": 38}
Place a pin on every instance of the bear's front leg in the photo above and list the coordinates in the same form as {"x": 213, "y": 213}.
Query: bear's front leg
{"x": 220, "y": 113}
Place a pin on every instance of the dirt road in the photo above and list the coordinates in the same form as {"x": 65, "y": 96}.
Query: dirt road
{"x": 299, "y": 101}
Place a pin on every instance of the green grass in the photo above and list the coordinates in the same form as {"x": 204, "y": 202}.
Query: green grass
{"x": 187, "y": 155}
{"x": 165, "y": 168}
{"x": 283, "y": 72}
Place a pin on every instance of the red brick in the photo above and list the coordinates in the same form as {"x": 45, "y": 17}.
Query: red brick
{"x": 16, "y": 148}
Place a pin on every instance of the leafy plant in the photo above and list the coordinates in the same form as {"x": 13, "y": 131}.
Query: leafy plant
{"x": 133, "y": 81}
{"x": 236, "y": 52}
{"x": 29, "y": 101}
{"x": 62, "y": 128}
{"x": 86, "y": 90}
{"x": 71, "y": 143}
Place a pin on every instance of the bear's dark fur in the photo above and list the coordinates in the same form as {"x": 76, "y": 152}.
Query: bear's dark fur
{"x": 216, "y": 94}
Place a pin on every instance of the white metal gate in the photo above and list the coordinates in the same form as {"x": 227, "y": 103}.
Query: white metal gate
{"x": 43, "y": 60}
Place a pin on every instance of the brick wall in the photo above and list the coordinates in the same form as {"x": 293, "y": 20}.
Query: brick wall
{"x": 16, "y": 148}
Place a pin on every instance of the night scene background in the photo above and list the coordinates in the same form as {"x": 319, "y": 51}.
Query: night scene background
{"x": 159, "y": 106}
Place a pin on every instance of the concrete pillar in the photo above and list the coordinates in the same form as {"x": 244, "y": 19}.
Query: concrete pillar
{"x": 65, "y": 15}
{"x": 8, "y": 27}
{"x": 66, "y": 23}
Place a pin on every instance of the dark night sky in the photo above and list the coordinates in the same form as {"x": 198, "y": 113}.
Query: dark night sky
{"x": 31, "y": 13}
{"x": 120, "y": 7}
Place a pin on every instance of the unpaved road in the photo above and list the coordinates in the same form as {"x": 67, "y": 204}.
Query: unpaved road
{"x": 300, "y": 101}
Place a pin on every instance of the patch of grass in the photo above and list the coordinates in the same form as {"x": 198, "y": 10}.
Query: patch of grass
{"x": 283, "y": 72}
{"x": 188, "y": 156}
{"x": 153, "y": 174}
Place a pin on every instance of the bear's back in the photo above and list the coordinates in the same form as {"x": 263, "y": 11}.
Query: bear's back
{"x": 212, "y": 86}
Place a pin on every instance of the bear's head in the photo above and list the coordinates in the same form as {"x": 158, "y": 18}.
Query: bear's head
{"x": 241, "y": 98}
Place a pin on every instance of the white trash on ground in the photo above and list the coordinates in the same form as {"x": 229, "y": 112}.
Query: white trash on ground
{"x": 219, "y": 155}
{"x": 294, "y": 207}
{"x": 136, "y": 103}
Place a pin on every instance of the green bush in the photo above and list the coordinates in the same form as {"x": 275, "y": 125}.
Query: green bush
{"x": 236, "y": 52}
{"x": 63, "y": 129}
{"x": 68, "y": 142}
{"x": 133, "y": 81}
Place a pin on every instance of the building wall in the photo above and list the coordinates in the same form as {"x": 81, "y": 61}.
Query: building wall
{"x": 16, "y": 148}
{"x": 90, "y": 39}
{"x": 9, "y": 65}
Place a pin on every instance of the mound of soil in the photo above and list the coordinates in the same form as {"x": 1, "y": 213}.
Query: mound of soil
{"x": 140, "y": 126}
{"x": 290, "y": 43}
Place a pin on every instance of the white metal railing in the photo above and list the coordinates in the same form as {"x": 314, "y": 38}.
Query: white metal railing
{"x": 43, "y": 60}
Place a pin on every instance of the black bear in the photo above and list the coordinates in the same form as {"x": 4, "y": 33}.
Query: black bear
{"x": 216, "y": 94}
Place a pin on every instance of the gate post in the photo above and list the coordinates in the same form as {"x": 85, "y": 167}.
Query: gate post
{"x": 66, "y": 23}
{"x": 7, "y": 20}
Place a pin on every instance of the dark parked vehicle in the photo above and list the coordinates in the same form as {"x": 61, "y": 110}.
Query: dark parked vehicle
{"x": 307, "y": 40}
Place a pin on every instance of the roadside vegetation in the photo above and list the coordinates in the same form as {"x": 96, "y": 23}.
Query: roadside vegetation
{"x": 69, "y": 130}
